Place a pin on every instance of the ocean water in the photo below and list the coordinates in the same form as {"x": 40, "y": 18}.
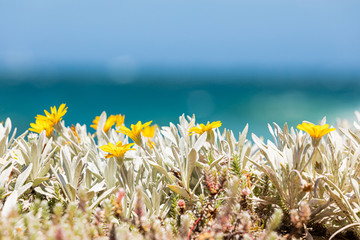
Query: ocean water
{"x": 236, "y": 102}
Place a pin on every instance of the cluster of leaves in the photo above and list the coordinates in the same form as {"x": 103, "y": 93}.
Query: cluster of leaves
{"x": 207, "y": 185}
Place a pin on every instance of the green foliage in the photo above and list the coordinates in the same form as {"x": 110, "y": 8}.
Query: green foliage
{"x": 235, "y": 166}
{"x": 209, "y": 185}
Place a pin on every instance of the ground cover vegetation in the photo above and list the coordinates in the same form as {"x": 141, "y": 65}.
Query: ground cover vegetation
{"x": 182, "y": 181}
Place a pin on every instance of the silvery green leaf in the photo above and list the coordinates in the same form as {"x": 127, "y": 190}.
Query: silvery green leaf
{"x": 98, "y": 187}
{"x": 257, "y": 141}
{"x": 197, "y": 185}
{"x": 131, "y": 206}
{"x": 318, "y": 157}
{"x": 272, "y": 133}
{"x": 41, "y": 142}
{"x": 147, "y": 201}
{"x": 34, "y": 155}
{"x": 179, "y": 190}
{"x": 109, "y": 173}
{"x": 23, "y": 177}
{"x": 286, "y": 129}
{"x": 94, "y": 170}
{"x": 8, "y": 125}
{"x": 183, "y": 146}
{"x": 245, "y": 155}
{"x": 139, "y": 174}
{"x": 157, "y": 156}
{"x": 155, "y": 197}
{"x": 183, "y": 121}
{"x": 5, "y": 172}
{"x": 175, "y": 132}
{"x": 24, "y": 151}
{"x": 191, "y": 161}
{"x": 357, "y": 114}
{"x": 229, "y": 140}
{"x": 10, "y": 204}
{"x": 354, "y": 136}
{"x": 12, "y": 137}
{"x": 24, "y": 188}
{"x": 78, "y": 170}
{"x": 65, "y": 159}
{"x": 166, "y": 131}
{"x": 165, "y": 208}
{"x": 343, "y": 204}
{"x": 323, "y": 121}
{"x": 45, "y": 169}
{"x": 355, "y": 186}
{"x": 17, "y": 156}
{"x": 130, "y": 175}
{"x": 88, "y": 178}
{"x": 175, "y": 152}
{"x": 161, "y": 170}
{"x": 71, "y": 191}
{"x": 44, "y": 153}
{"x": 273, "y": 178}
{"x": 3, "y": 145}
{"x": 62, "y": 181}
{"x": 215, "y": 162}
{"x": 42, "y": 192}
{"x": 225, "y": 147}
{"x": 22, "y": 136}
{"x": 102, "y": 197}
{"x": 102, "y": 137}
{"x": 39, "y": 180}
{"x": 183, "y": 132}
{"x": 200, "y": 165}
{"x": 191, "y": 120}
{"x": 200, "y": 141}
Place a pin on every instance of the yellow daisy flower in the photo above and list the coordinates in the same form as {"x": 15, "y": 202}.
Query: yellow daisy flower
{"x": 118, "y": 119}
{"x": 135, "y": 132}
{"x": 316, "y": 132}
{"x": 116, "y": 151}
{"x": 48, "y": 121}
{"x": 149, "y": 133}
{"x": 56, "y": 115}
{"x": 95, "y": 122}
{"x": 204, "y": 128}
{"x": 41, "y": 125}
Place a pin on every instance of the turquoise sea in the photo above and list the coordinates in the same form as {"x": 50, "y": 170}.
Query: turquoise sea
{"x": 235, "y": 100}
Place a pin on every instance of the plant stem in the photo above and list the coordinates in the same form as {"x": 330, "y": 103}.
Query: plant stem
{"x": 311, "y": 157}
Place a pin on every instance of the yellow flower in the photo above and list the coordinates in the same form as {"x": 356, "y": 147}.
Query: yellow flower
{"x": 73, "y": 129}
{"x": 205, "y": 128}
{"x": 56, "y": 115}
{"x": 316, "y": 132}
{"x": 41, "y": 125}
{"x": 135, "y": 132}
{"x": 95, "y": 122}
{"x": 48, "y": 121}
{"x": 149, "y": 133}
{"x": 116, "y": 151}
{"x": 118, "y": 119}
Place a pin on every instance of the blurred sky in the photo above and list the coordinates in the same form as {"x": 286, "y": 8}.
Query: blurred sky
{"x": 266, "y": 60}
{"x": 132, "y": 35}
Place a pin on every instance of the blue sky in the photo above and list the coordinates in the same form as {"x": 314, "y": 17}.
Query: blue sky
{"x": 116, "y": 40}
{"x": 277, "y": 34}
